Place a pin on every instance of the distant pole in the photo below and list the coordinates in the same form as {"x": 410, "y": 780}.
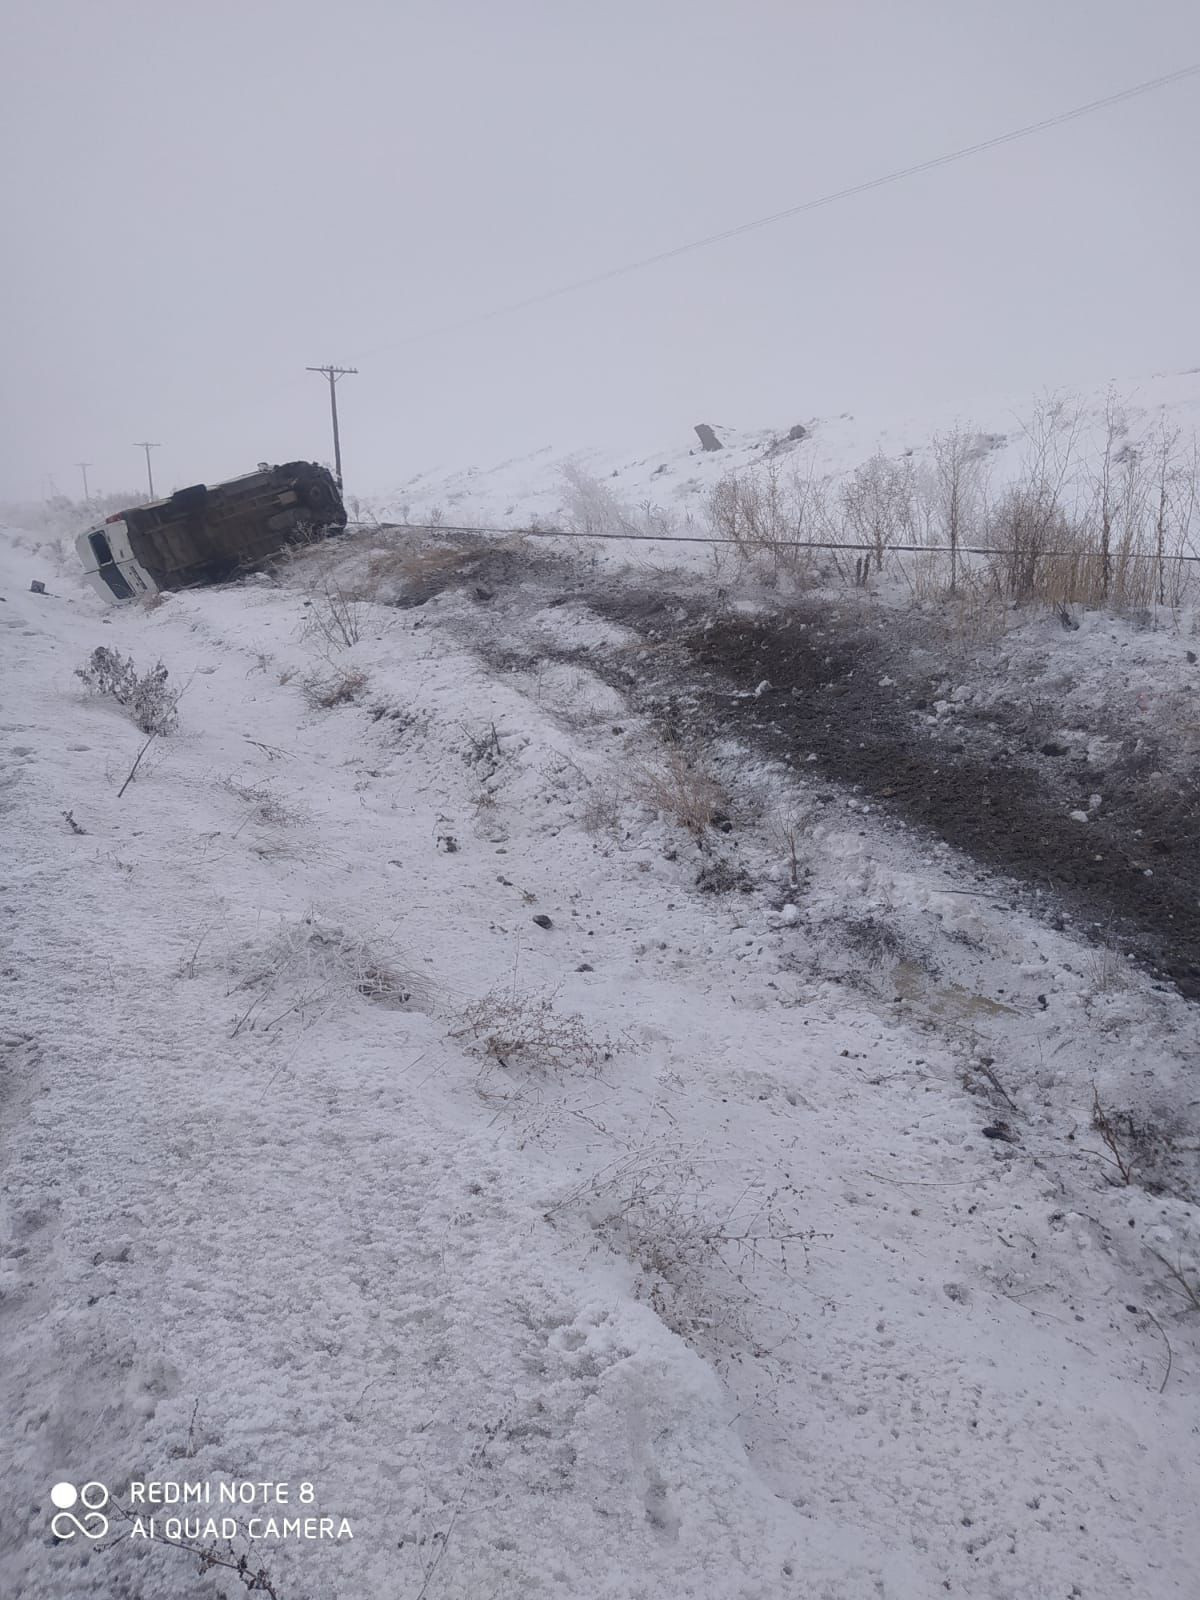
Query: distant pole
{"x": 333, "y": 374}
{"x": 83, "y": 466}
{"x": 147, "y": 446}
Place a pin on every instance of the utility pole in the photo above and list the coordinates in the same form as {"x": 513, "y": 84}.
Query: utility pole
{"x": 333, "y": 374}
{"x": 83, "y": 466}
{"x": 147, "y": 446}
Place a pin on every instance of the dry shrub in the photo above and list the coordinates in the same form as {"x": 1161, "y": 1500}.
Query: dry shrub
{"x": 788, "y": 826}
{"x": 602, "y": 806}
{"x": 879, "y": 506}
{"x": 334, "y": 615}
{"x": 153, "y": 707}
{"x": 703, "y": 1264}
{"x": 515, "y": 1027}
{"x": 1155, "y": 1150}
{"x": 309, "y": 967}
{"x": 684, "y": 791}
{"x": 323, "y": 693}
{"x": 264, "y": 804}
{"x": 768, "y": 516}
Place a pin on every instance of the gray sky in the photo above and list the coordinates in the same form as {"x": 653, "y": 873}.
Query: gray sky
{"x": 202, "y": 197}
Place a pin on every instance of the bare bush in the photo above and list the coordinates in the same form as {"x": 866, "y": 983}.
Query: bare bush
{"x": 264, "y": 804}
{"x": 699, "y": 1259}
{"x": 684, "y": 791}
{"x": 956, "y": 490}
{"x": 788, "y": 826}
{"x": 591, "y": 506}
{"x": 769, "y": 516}
{"x": 602, "y": 805}
{"x": 879, "y": 506}
{"x": 335, "y": 616}
{"x": 309, "y": 967}
{"x": 324, "y": 692}
{"x": 145, "y": 695}
{"x": 515, "y": 1027}
{"x": 1111, "y": 534}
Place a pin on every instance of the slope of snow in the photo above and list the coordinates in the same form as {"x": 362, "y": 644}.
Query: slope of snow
{"x": 733, "y": 1298}
{"x": 677, "y": 477}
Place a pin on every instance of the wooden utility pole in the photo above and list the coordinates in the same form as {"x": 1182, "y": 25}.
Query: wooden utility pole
{"x": 333, "y": 374}
{"x": 147, "y": 446}
{"x": 83, "y": 466}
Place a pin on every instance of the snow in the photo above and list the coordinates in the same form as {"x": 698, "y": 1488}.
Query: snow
{"x": 730, "y": 1297}
{"x": 669, "y": 487}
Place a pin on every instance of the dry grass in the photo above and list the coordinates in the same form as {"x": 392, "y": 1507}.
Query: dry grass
{"x": 603, "y": 803}
{"x": 309, "y": 968}
{"x": 335, "y": 615}
{"x": 324, "y": 692}
{"x": 703, "y": 1265}
{"x": 264, "y": 804}
{"x": 518, "y": 1028}
{"x": 683, "y": 790}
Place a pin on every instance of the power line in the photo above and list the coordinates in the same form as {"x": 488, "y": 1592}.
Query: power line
{"x": 869, "y": 184}
{"x": 706, "y": 538}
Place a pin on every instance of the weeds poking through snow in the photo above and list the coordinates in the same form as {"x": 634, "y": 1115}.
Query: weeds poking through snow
{"x": 1190, "y": 1287}
{"x": 683, "y": 791}
{"x": 602, "y": 806}
{"x": 309, "y": 968}
{"x": 521, "y": 1029}
{"x": 335, "y": 689}
{"x": 256, "y": 1579}
{"x": 1108, "y": 1124}
{"x": 788, "y": 827}
{"x": 153, "y": 707}
{"x": 697, "y": 1257}
{"x": 264, "y": 804}
{"x": 483, "y": 750}
{"x": 334, "y": 616}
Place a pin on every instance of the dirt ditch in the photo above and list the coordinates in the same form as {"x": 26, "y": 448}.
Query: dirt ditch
{"x": 812, "y": 683}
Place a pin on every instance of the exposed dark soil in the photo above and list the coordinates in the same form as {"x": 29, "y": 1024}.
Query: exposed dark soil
{"x": 1132, "y": 870}
{"x": 479, "y": 565}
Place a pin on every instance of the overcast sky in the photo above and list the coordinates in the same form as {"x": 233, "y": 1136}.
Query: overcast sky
{"x": 202, "y": 197}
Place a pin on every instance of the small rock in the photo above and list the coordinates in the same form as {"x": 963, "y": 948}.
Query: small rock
{"x": 1000, "y": 1130}
{"x": 585, "y": 966}
{"x": 542, "y": 920}
{"x": 37, "y": 587}
{"x": 790, "y": 915}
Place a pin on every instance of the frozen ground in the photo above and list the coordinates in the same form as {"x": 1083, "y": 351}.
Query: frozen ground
{"x": 769, "y": 1249}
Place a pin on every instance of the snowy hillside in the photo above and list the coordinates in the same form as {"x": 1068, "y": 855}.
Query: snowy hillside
{"x": 678, "y": 477}
{"x": 601, "y": 1094}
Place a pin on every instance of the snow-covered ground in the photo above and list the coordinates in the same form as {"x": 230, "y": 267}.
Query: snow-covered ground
{"x": 702, "y": 1278}
{"x": 674, "y": 481}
